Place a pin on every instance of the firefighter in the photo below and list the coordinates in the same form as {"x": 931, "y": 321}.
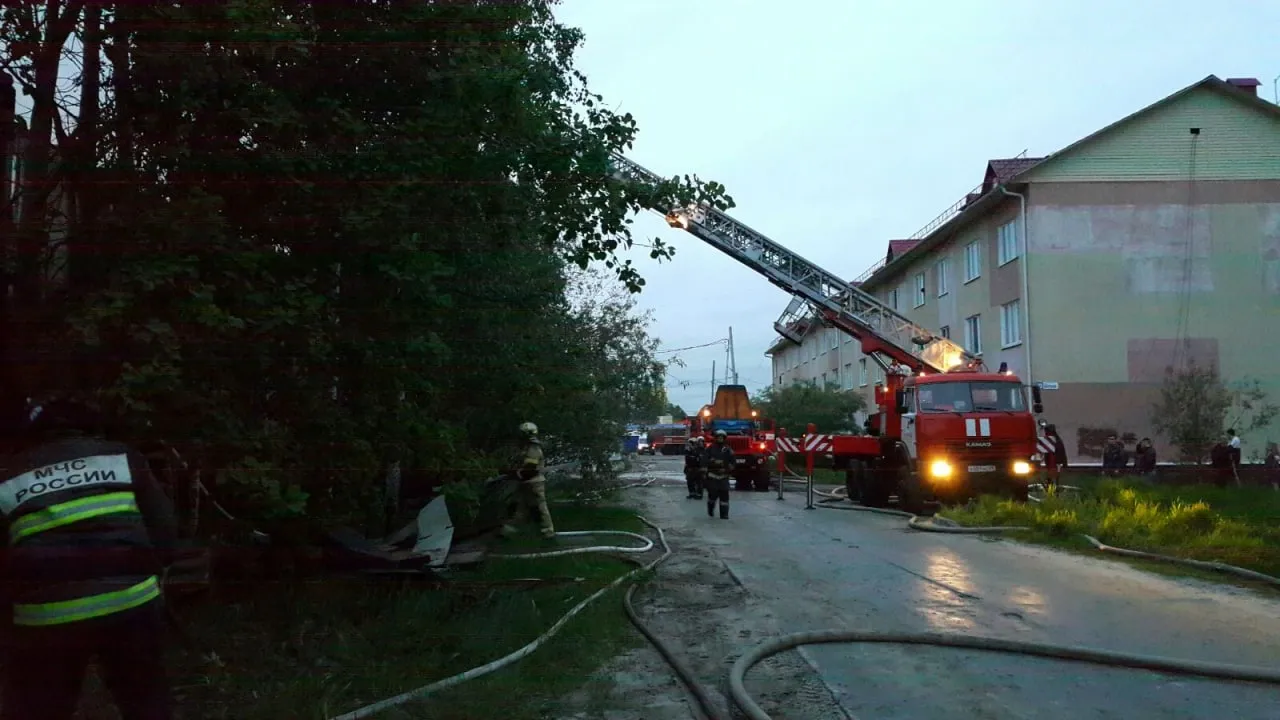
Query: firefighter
{"x": 85, "y": 531}
{"x": 694, "y": 468}
{"x": 719, "y": 463}
{"x": 531, "y": 488}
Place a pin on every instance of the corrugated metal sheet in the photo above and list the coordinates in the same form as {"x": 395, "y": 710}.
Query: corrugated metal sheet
{"x": 1236, "y": 142}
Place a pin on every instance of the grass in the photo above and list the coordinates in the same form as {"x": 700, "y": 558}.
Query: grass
{"x": 1238, "y": 526}
{"x": 316, "y": 649}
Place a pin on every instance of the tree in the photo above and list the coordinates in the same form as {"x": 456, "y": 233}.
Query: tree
{"x": 795, "y": 406}
{"x": 676, "y": 412}
{"x": 297, "y": 276}
{"x": 1196, "y": 407}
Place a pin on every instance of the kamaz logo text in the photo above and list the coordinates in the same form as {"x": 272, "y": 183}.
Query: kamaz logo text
{"x": 977, "y": 444}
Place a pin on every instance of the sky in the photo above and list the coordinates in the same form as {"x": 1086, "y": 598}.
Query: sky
{"x": 838, "y": 125}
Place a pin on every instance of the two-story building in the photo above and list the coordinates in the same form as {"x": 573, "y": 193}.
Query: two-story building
{"x": 1149, "y": 244}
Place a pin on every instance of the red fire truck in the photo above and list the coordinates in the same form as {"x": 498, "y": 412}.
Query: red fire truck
{"x": 945, "y": 429}
{"x": 749, "y": 436}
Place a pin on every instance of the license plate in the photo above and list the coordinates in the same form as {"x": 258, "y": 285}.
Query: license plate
{"x": 982, "y": 468}
{"x": 739, "y": 461}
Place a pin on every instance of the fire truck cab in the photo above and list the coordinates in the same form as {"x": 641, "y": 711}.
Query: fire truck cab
{"x": 943, "y": 436}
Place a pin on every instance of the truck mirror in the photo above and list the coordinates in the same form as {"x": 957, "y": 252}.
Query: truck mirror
{"x": 900, "y": 400}
{"x": 1037, "y": 408}
{"x": 1036, "y": 398}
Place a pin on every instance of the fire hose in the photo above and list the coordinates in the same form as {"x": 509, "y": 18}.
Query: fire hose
{"x": 737, "y": 675}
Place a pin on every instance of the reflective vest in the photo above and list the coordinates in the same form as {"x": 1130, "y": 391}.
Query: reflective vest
{"x": 78, "y": 547}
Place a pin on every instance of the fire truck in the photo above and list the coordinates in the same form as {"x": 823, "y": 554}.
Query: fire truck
{"x": 668, "y": 438}
{"x": 946, "y": 428}
{"x": 750, "y": 436}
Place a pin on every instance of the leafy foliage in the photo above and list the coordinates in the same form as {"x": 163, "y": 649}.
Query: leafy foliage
{"x": 795, "y": 406}
{"x": 1196, "y": 407}
{"x": 329, "y": 237}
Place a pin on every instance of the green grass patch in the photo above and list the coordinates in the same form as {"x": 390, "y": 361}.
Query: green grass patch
{"x": 316, "y": 649}
{"x": 1238, "y": 526}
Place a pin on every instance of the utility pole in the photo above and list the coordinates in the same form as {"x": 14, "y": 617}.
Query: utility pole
{"x": 731, "y": 362}
{"x": 713, "y": 381}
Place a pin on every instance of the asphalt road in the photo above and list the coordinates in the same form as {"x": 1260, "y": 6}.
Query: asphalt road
{"x": 825, "y": 569}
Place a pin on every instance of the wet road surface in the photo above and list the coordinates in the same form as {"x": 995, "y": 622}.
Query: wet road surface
{"x": 826, "y": 569}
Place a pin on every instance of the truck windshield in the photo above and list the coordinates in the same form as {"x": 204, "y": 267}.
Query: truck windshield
{"x": 971, "y": 397}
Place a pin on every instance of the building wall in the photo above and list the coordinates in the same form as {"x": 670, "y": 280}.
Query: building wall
{"x": 1236, "y": 142}
{"x": 1149, "y": 282}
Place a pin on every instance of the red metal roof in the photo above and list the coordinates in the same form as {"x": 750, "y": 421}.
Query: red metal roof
{"x": 1000, "y": 170}
{"x": 899, "y": 247}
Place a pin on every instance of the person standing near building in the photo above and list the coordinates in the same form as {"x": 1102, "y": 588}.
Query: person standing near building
{"x": 85, "y": 532}
{"x": 531, "y": 485}
{"x": 719, "y": 464}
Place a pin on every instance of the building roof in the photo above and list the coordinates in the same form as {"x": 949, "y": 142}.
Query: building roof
{"x": 897, "y": 248}
{"x": 1016, "y": 171}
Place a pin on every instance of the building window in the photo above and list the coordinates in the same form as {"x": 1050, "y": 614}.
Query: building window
{"x": 972, "y": 261}
{"x": 1007, "y": 242}
{"x": 824, "y": 381}
{"x": 848, "y": 376}
{"x": 862, "y": 372}
{"x": 919, "y": 299}
{"x": 973, "y": 334}
{"x": 835, "y": 339}
{"x": 893, "y": 298}
{"x": 779, "y": 380}
{"x": 1010, "y": 324}
{"x": 944, "y": 276}
{"x": 946, "y": 331}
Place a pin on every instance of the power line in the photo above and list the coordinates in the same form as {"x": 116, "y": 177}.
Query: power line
{"x": 721, "y": 341}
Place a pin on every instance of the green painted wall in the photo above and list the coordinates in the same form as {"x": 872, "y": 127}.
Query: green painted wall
{"x": 1236, "y": 142}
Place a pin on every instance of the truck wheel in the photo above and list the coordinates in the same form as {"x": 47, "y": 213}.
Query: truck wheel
{"x": 855, "y": 480}
{"x": 911, "y": 495}
{"x": 762, "y": 479}
{"x": 877, "y": 485}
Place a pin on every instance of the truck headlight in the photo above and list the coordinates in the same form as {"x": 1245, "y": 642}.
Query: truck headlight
{"x": 940, "y": 469}
{"x": 1021, "y": 467}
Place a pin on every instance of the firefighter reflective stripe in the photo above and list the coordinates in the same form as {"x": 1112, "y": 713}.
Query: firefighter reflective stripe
{"x": 56, "y": 516}
{"x": 86, "y": 608}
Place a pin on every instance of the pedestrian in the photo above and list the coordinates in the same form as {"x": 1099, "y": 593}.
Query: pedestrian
{"x": 693, "y": 468}
{"x": 531, "y": 485}
{"x": 719, "y": 464}
{"x": 1144, "y": 457}
{"x": 1056, "y": 459}
{"x": 85, "y": 532}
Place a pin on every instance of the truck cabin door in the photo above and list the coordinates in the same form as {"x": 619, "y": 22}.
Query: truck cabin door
{"x": 909, "y": 422}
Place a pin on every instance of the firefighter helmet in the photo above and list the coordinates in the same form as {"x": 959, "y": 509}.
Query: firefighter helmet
{"x": 721, "y": 434}
{"x": 528, "y": 428}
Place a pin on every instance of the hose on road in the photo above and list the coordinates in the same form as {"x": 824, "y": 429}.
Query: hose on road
{"x": 1219, "y": 671}
{"x": 939, "y": 524}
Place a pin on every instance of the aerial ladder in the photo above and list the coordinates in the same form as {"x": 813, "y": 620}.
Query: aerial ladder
{"x": 939, "y": 456}
{"x": 885, "y": 335}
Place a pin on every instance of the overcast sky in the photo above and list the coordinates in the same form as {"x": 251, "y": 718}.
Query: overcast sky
{"x": 839, "y": 124}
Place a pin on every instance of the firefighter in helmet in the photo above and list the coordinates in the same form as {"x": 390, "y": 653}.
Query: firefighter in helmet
{"x": 719, "y": 463}
{"x": 531, "y": 488}
{"x": 85, "y": 531}
{"x": 694, "y": 467}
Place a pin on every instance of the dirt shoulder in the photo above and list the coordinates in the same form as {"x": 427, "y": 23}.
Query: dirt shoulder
{"x": 709, "y": 619}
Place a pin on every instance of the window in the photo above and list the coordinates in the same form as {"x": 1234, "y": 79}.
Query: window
{"x": 973, "y": 334}
{"x": 946, "y": 331}
{"x": 893, "y": 298}
{"x": 835, "y": 338}
{"x": 944, "y": 277}
{"x": 824, "y": 381}
{"x": 862, "y": 372}
{"x": 919, "y": 299}
{"x": 1007, "y": 242}
{"x": 848, "y": 376}
{"x": 1010, "y": 324}
{"x": 972, "y": 261}
{"x": 945, "y": 397}
{"x": 813, "y": 349}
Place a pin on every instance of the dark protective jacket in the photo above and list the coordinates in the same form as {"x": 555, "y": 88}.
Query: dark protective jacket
{"x": 84, "y": 531}
{"x": 719, "y": 460}
{"x": 693, "y": 459}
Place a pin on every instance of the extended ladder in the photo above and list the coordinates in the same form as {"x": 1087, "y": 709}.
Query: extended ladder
{"x": 882, "y": 330}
